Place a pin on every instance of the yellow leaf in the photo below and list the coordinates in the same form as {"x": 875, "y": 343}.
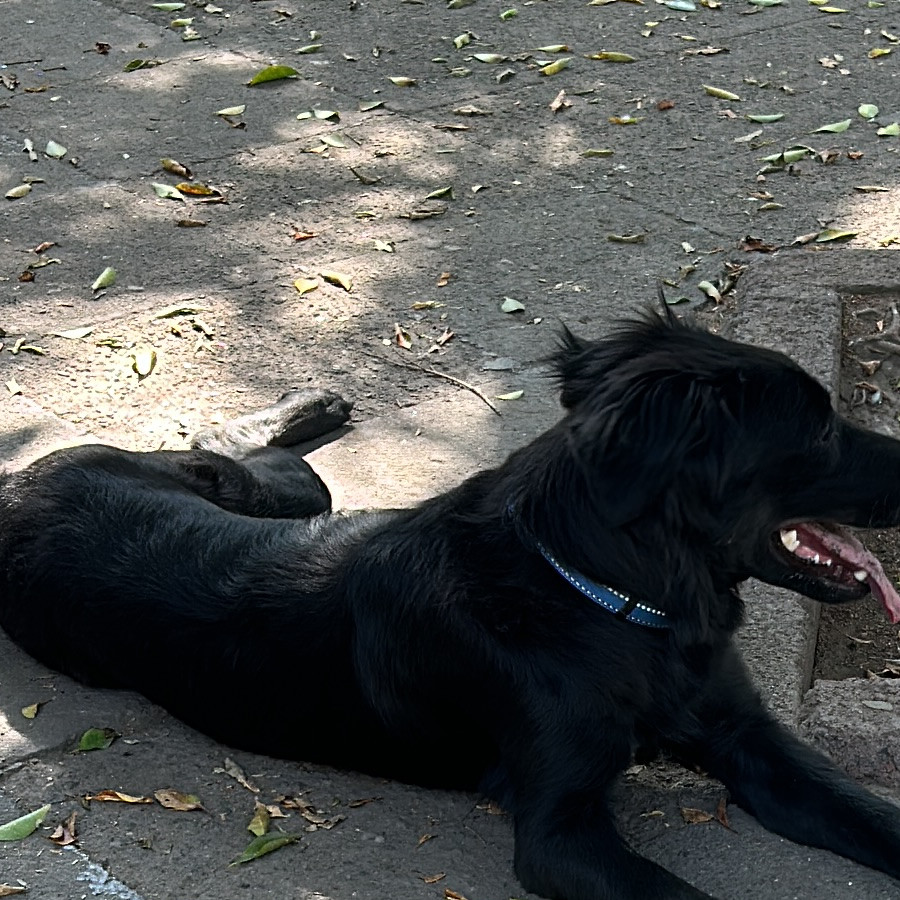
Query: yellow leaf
{"x": 305, "y": 285}
{"x": 556, "y": 66}
{"x": 338, "y": 278}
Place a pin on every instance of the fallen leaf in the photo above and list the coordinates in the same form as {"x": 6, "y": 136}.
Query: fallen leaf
{"x": 765, "y": 119}
{"x": 492, "y": 58}
{"x": 876, "y": 52}
{"x": 720, "y": 93}
{"x": 233, "y": 770}
{"x": 272, "y": 73}
{"x": 510, "y": 305}
{"x": 231, "y": 111}
{"x": 469, "y": 110}
{"x": 555, "y": 67}
{"x": 13, "y": 387}
{"x": 693, "y": 816}
{"x": 560, "y": 101}
{"x": 168, "y": 7}
{"x": 309, "y": 48}
{"x": 97, "y": 739}
{"x": 597, "y": 153}
{"x": 402, "y": 81}
{"x": 424, "y": 839}
{"x": 834, "y": 127}
{"x": 443, "y": 280}
{"x": 64, "y": 833}
{"x": 18, "y": 192}
{"x": 8, "y": 890}
{"x": 512, "y": 395}
{"x": 871, "y": 188}
{"x": 30, "y": 711}
{"x": 710, "y": 290}
{"x": 20, "y": 828}
{"x": 626, "y": 238}
{"x": 453, "y": 895}
{"x": 338, "y": 278}
{"x": 880, "y": 705}
{"x": 259, "y": 824}
{"x": 434, "y": 879}
{"x": 109, "y": 796}
{"x": 176, "y": 800}
{"x": 756, "y": 245}
{"x": 190, "y": 223}
{"x": 868, "y": 110}
{"x": 303, "y": 235}
{"x": 305, "y": 285}
{"x": 611, "y": 56}
{"x": 402, "y": 338}
{"x": 105, "y": 279}
{"x": 178, "y": 309}
{"x": 43, "y": 246}
{"x": 143, "y": 361}
{"x": 891, "y": 130}
{"x": 166, "y": 191}
{"x": 625, "y": 120}
{"x": 663, "y": 105}
{"x": 722, "y": 813}
{"x": 54, "y": 150}
{"x": 262, "y": 845}
{"x": 834, "y": 234}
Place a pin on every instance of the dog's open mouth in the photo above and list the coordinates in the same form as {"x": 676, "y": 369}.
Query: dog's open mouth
{"x": 832, "y": 555}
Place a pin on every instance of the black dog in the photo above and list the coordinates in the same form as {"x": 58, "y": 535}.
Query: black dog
{"x": 560, "y": 611}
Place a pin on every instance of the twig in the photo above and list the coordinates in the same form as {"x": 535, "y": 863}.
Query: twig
{"x": 437, "y": 374}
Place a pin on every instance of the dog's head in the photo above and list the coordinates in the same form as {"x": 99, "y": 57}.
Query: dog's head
{"x": 730, "y": 455}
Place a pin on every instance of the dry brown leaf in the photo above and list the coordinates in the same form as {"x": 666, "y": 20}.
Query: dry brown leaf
{"x": 424, "y": 839}
{"x": 695, "y": 816}
{"x": 444, "y": 280}
{"x": 7, "y": 890}
{"x": 560, "y": 101}
{"x": 665, "y": 104}
{"x": 109, "y": 796}
{"x": 722, "y": 813}
{"x": 434, "y": 879}
{"x": 363, "y": 801}
{"x": 64, "y": 833}
{"x": 233, "y": 770}
{"x": 402, "y": 337}
{"x": 453, "y": 895}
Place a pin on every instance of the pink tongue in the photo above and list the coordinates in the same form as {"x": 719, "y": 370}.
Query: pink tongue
{"x": 843, "y": 546}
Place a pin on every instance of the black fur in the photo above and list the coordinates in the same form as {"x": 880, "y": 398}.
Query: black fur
{"x": 679, "y": 457}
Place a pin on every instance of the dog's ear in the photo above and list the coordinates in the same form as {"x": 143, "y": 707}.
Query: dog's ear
{"x": 567, "y": 362}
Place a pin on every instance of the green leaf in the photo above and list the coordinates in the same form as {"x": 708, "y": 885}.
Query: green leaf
{"x": 272, "y": 73}
{"x": 834, "y": 234}
{"x": 97, "y": 738}
{"x": 512, "y": 395}
{"x": 264, "y": 844}
{"x": 55, "y": 151}
{"x": 509, "y": 14}
{"x": 166, "y": 191}
{"x": 310, "y": 48}
{"x": 366, "y": 106}
{"x": 232, "y": 110}
{"x": 440, "y": 193}
{"x": 105, "y": 279}
{"x": 461, "y": 40}
{"x": 891, "y": 130}
{"x": 489, "y": 57}
{"x": 597, "y": 152}
{"x": 24, "y": 825}
{"x": 834, "y": 127}
{"x": 510, "y": 305}
{"x": 868, "y": 110}
{"x": 766, "y": 120}
{"x": 169, "y": 7}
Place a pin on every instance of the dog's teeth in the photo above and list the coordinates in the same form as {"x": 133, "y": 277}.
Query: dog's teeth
{"x": 789, "y": 539}
{"x": 860, "y": 574}
{"x": 815, "y": 559}
{"x": 827, "y": 562}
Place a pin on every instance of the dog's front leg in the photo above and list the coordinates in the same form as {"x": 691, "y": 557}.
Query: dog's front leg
{"x": 558, "y": 770}
{"x": 791, "y": 788}
{"x": 573, "y": 852}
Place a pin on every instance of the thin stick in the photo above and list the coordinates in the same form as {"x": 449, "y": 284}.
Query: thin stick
{"x": 437, "y": 374}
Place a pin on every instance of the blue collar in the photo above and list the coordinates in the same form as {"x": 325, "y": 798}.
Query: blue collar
{"x": 622, "y": 606}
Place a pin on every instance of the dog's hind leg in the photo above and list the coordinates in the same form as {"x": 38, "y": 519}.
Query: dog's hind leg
{"x": 297, "y": 417}
{"x": 282, "y": 485}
